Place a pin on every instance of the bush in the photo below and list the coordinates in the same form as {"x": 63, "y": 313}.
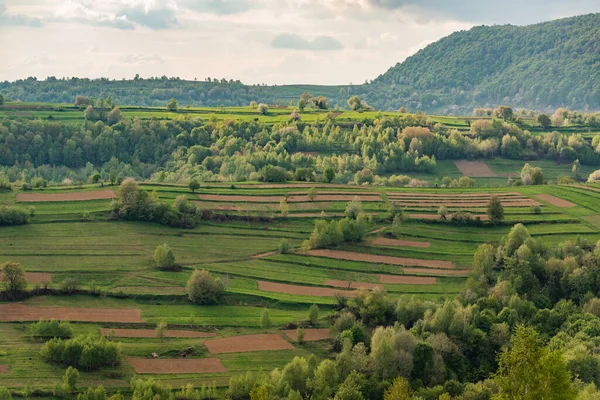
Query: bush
{"x": 536, "y": 210}
{"x": 284, "y": 246}
{"x": 10, "y": 215}
{"x": 83, "y": 351}
{"x": 12, "y": 277}
{"x": 202, "y": 288}
{"x": 594, "y": 177}
{"x": 262, "y": 109}
{"x": 51, "y": 329}
{"x": 164, "y": 257}
{"x": 274, "y": 174}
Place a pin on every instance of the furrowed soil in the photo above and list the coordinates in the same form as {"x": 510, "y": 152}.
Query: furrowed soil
{"x": 247, "y": 343}
{"x": 149, "y": 333}
{"x": 3, "y": 369}
{"x": 21, "y": 312}
{"x": 290, "y": 199}
{"x": 75, "y": 196}
{"x": 372, "y": 258}
{"x": 475, "y": 169}
{"x": 396, "y": 242}
{"x": 555, "y": 201}
{"x": 302, "y": 290}
{"x": 310, "y": 335}
{"x": 177, "y": 366}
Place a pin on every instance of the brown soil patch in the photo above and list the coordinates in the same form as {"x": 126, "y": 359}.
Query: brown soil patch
{"x": 334, "y": 192}
{"x": 353, "y": 285}
{"x": 150, "y": 333}
{"x": 310, "y": 335}
{"x": 21, "y": 312}
{"x": 298, "y": 185}
{"x": 246, "y": 343}
{"x": 176, "y": 366}
{"x": 474, "y": 168}
{"x": 4, "y": 367}
{"x": 407, "y": 280}
{"x": 555, "y": 201}
{"x": 36, "y": 277}
{"x": 290, "y": 199}
{"x": 373, "y": 258}
{"x": 436, "y": 272}
{"x": 396, "y": 242}
{"x": 302, "y": 290}
{"x": 72, "y": 196}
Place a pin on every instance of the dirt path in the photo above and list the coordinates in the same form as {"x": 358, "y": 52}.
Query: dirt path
{"x": 310, "y": 335}
{"x": 302, "y": 290}
{"x": 21, "y": 312}
{"x": 248, "y": 343}
{"x": 261, "y": 255}
{"x": 555, "y": 201}
{"x": 397, "y": 242}
{"x": 373, "y": 258}
{"x": 176, "y": 366}
{"x": 71, "y": 196}
{"x": 150, "y": 333}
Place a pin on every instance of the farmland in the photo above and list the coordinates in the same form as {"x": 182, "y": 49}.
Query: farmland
{"x": 428, "y": 259}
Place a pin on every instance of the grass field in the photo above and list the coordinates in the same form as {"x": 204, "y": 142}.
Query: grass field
{"x": 117, "y": 258}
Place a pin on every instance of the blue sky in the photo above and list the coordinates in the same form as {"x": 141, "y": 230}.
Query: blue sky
{"x": 256, "y": 41}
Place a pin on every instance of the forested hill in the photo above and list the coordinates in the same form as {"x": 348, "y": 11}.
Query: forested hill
{"x": 548, "y": 64}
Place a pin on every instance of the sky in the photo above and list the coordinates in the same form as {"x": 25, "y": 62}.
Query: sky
{"x": 255, "y": 41}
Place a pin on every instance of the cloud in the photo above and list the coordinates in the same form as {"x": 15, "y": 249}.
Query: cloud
{"x": 510, "y": 11}
{"x": 7, "y": 19}
{"x": 219, "y": 7}
{"x": 141, "y": 59}
{"x": 295, "y": 42}
{"x": 151, "y": 14}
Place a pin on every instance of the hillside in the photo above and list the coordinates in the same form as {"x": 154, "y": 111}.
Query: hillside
{"x": 554, "y": 63}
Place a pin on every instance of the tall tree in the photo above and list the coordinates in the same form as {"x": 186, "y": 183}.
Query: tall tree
{"x": 13, "y": 277}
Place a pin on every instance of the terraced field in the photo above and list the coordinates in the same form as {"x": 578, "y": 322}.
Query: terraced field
{"x": 428, "y": 258}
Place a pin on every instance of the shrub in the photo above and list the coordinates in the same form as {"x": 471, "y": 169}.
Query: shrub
{"x": 495, "y": 210}
{"x": 265, "y": 321}
{"x": 202, "y": 288}
{"x": 300, "y": 335}
{"x": 536, "y": 210}
{"x": 69, "y": 285}
{"x": 284, "y": 246}
{"x": 10, "y": 215}
{"x": 194, "y": 185}
{"x": 164, "y": 257}
{"x": 313, "y": 314}
{"x": 274, "y": 174}
{"x": 594, "y": 176}
{"x": 262, "y": 109}
{"x": 565, "y": 180}
{"x": 51, "y": 329}
{"x": 83, "y": 351}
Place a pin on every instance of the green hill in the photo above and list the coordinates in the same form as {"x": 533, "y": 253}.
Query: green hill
{"x": 553, "y": 64}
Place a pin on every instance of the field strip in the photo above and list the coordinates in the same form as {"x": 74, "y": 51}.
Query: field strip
{"x": 584, "y": 187}
{"x": 475, "y": 169}
{"x": 307, "y": 185}
{"x": 334, "y": 192}
{"x": 150, "y": 333}
{"x": 462, "y": 201}
{"x": 451, "y": 195}
{"x": 176, "y": 366}
{"x": 407, "y": 280}
{"x": 156, "y": 290}
{"x": 594, "y": 220}
{"x": 3, "y": 368}
{"x": 352, "y": 285}
{"x": 36, "y": 277}
{"x": 373, "y": 258}
{"x": 310, "y": 335}
{"x": 524, "y": 203}
{"x": 247, "y": 343}
{"x": 436, "y": 272}
{"x": 21, "y": 312}
{"x": 72, "y": 196}
{"x": 290, "y": 199}
{"x": 555, "y": 201}
{"x": 380, "y": 241}
{"x": 302, "y": 290}
{"x": 482, "y": 217}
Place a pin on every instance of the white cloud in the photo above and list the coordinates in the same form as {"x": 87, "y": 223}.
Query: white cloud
{"x": 296, "y": 42}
